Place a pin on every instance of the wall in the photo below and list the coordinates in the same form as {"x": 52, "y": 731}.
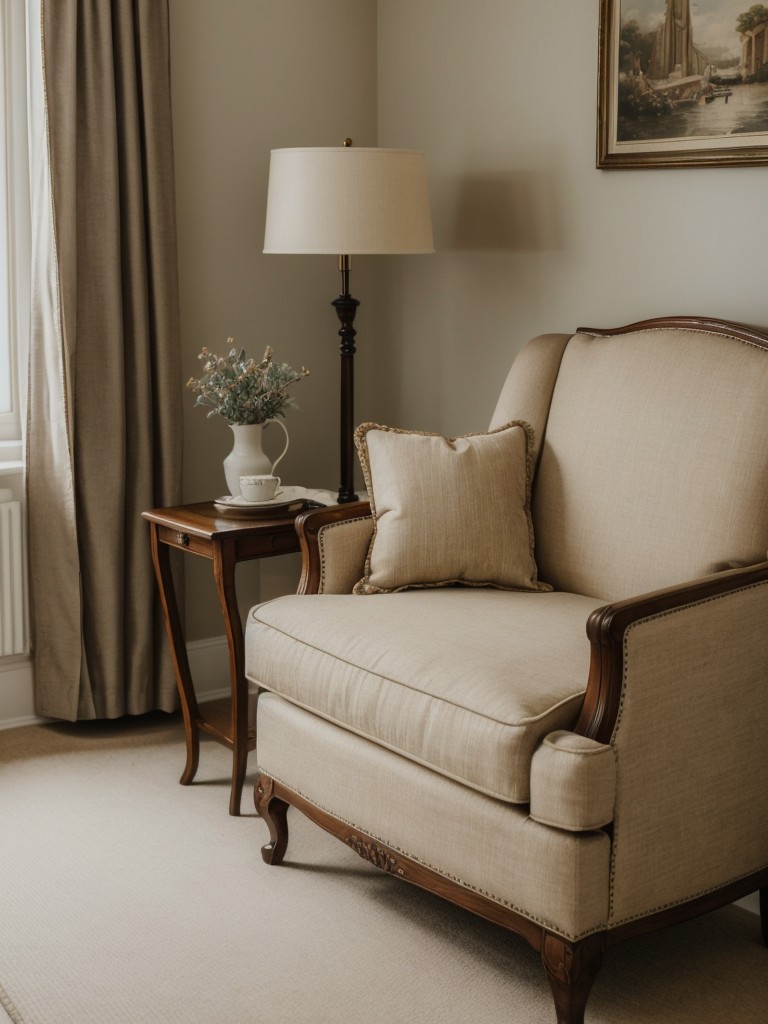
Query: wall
{"x": 530, "y": 236}
{"x": 246, "y": 78}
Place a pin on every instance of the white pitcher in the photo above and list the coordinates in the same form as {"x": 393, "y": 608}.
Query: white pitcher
{"x": 247, "y": 457}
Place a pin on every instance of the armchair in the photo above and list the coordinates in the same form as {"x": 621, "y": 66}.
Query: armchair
{"x": 579, "y": 764}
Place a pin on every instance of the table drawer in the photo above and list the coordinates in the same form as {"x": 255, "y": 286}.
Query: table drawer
{"x": 184, "y": 541}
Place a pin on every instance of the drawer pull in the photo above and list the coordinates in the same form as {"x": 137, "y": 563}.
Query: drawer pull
{"x": 183, "y": 539}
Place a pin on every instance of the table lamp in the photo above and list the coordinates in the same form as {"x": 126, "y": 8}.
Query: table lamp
{"x": 347, "y": 201}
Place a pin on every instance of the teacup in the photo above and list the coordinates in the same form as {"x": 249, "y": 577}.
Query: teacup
{"x": 259, "y": 488}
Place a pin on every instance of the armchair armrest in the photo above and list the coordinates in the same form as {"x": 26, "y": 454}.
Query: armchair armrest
{"x": 677, "y": 687}
{"x": 607, "y": 628}
{"x": 573, "y": 783}
{"x": 334, "y": 544}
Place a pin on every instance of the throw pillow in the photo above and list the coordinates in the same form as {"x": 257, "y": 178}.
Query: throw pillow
{"x": 448, "y": 510}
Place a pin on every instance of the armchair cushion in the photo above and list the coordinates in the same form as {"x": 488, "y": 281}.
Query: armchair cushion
{"x": 448, "y": 510}
{"x": 378, "y": 668}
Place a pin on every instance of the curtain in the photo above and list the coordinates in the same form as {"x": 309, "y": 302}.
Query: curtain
{"x": 104, "y": 415}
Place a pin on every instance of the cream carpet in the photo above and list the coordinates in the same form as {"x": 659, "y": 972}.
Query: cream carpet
{"x": 125, "y": 897}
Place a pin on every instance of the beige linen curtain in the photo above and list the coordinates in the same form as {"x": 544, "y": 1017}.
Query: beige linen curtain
{"x": 104, "y": 417}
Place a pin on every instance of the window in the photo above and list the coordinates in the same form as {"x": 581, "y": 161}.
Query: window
{"x": 15, "y": 230}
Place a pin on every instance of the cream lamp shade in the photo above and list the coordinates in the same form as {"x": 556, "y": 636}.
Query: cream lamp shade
{"x": 348, "y": 201}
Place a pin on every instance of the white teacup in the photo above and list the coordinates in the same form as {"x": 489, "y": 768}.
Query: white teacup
{"x": 259, "y": 488}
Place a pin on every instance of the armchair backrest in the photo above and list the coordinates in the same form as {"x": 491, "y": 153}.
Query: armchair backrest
{"x": 652, "y": 452}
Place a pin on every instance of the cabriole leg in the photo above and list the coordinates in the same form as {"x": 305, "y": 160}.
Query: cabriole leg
{"x": 274, "y": 812}
{"x": 571, "y": 969}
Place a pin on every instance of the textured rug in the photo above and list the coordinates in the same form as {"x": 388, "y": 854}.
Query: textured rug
{"x": 125, "y": 897}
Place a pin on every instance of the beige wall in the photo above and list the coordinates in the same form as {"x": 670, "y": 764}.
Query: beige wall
{"x": 531, "y": 237}
{"x": 249, "y": 76}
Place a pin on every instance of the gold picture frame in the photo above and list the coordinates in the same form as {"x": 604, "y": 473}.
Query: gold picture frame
{"x": 664, "y": 101}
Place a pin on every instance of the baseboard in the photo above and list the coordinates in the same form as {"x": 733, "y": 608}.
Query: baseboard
{"x": 209, "y": 665}
{"x": 17, "y": 699}
{"x": 751, "y": 903}
{"x": 208, "y": 662}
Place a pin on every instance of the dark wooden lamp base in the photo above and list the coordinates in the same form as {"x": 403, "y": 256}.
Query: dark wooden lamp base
{"x": 346, "y": 307}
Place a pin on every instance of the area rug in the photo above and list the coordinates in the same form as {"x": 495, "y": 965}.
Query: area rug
{"x": 126, "y": 898}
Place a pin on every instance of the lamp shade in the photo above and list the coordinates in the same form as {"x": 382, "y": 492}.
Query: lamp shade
{"x": 348, "y": 201}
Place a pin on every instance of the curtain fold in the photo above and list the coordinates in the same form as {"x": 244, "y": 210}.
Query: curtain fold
{"x": 104, "y": 419}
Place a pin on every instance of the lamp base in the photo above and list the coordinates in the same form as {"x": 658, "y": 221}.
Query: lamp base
{"x": 346, "y": 307}
{"x": 346, "y": 496}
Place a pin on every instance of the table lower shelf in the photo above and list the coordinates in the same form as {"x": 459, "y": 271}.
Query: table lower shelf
{"x": 215, "y": 719}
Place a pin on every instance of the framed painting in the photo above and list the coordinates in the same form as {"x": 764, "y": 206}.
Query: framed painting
{"x": 682, "y": 83}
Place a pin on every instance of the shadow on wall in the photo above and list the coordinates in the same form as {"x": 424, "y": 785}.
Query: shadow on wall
{"x": 479, "y": 298}
{"x": 506, "y": 212}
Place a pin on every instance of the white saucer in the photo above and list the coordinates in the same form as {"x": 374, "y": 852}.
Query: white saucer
{"x": 284, "y": 499}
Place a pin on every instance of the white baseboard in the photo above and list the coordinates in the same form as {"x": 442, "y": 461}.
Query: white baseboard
{"x": 17, "y": 698}
{"x": 751, "y": 902}
{"x": 209, "y": 665}
{"x": 208, "y": 662}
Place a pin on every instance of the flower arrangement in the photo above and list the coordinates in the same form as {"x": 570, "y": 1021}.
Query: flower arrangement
{"x": 244, "y": 391}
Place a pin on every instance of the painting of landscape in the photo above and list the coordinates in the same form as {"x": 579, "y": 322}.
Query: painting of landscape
{"x": 687, "y": 77}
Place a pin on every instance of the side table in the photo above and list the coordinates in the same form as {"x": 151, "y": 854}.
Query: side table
{"x": 226, "y": 538}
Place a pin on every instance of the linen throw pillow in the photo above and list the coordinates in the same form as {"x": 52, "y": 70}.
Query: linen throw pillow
{"x": 448, "y": 510}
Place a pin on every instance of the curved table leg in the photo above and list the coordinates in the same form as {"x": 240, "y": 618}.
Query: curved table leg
{"x": 224, "y": 563}
{"x": 162, "y": 562}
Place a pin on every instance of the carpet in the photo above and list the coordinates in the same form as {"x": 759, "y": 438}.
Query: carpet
{"x": 125, "y": 897}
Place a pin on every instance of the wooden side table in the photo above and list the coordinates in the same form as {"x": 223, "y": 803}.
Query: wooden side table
{"x": 226, "y": 538}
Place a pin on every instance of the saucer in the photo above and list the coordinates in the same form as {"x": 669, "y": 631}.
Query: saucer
{"x": 285, "y": 499}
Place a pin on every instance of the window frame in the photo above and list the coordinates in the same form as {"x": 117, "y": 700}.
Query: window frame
{"x": 15, "y": 241}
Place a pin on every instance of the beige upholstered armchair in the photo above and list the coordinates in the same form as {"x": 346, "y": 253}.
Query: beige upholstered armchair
{"x": 550, "y": 712}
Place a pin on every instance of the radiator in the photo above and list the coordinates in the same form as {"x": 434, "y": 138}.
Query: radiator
{"x": 13, "y": 591}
